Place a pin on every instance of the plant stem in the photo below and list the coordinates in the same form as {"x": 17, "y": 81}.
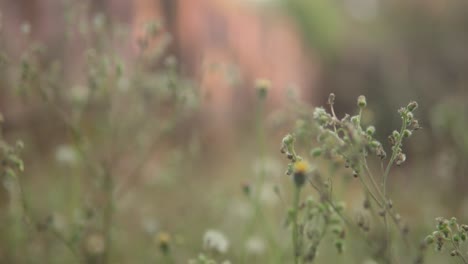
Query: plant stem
{"x": 295, "y": 227}
{"x": 108, "y": 215}
{"x": 460, "y": 254}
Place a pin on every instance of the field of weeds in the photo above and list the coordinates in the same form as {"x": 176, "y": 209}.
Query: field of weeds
{"x": 216, "y": 132}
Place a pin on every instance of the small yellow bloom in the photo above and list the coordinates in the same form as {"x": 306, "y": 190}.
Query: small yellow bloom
{"x": 301, "y": 167}
{"x": 164, "y": 238}
{"x": 262, "y": 86}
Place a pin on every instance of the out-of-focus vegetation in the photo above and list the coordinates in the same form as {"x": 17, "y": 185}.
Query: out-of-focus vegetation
{"x": 107, "y": 156}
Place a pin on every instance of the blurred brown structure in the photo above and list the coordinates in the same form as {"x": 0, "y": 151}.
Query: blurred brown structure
{"x": 218, "y": 41}
{"x": 223, "y": 45}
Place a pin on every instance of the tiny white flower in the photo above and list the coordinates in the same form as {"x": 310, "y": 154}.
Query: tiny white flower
{"x": 255, "y": 245}
{"x": 267, "y": 195}
{"x": 216, "y": 241}
{"x": 66, "y": 154}
{"x": 26, "y": 28}
{"x": 79, "y": 94}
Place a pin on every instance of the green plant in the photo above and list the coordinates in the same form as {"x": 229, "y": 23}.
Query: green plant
{"x": 451, "y": 235}
{"x": 117, "y": 117}
{"x": 345, "y": 141}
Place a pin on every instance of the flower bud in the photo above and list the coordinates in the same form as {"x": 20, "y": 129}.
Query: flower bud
{"x": 429, "y": 239}
{"x": 370, "y": 130}
{"x": 331, "y": 99}
{"x": 406, "y": 133}
{"x": 316, "y": 152}
{"x": 412, "y": 106}
{"x": 361, "y": 102}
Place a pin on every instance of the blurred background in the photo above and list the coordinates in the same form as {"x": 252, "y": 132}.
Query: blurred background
{"x": 84, "y": 82}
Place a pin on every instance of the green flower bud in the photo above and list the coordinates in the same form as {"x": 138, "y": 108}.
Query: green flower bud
{"x": 339, "y": 245}
{"x": 429, "y": 239}
{"x": 361, "y": 102}
{"x": 355, "y": 120}
{"x": 316, "y": 152}
{"x": 375, "y": 144}
{"x": 406, "y": 133}
{"x": 288, "y": 140}
{"x": 412, "y": 106}
{"x": 370, "y": 130}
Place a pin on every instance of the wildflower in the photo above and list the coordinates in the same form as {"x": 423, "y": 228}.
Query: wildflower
{"x": 164, "y": 239}
{"x": 300, "y": 169}
{"x": 262, "y": 86}
{"x": 267, "y": 195}
{"x": 95, "y": 244}
{"x": 255, "y": 245}
{"x": 216, "y": 241}
{"x": 26, "y": 28}
{"x": 66, "y": 154}
{"x": 321, "y": 116}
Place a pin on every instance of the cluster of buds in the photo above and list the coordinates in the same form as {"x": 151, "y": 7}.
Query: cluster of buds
{"x": 320, "y": 217}
{"x": 448, "y": 231}
{"x": 10, "y": 161}
{"x": 410, "y": 124}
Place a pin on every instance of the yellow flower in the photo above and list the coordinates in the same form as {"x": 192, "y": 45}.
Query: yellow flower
{"x": 301, "y": 167}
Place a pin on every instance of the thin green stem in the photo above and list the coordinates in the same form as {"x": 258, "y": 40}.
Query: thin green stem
{"x": 108, "y": 215}
{"x": 295, "y": 227}
{"x": 459, "y": 252}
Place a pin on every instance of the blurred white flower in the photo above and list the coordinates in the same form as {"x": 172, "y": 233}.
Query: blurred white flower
{"x": 95, "y": 244}
{"x": 267, "y": 195}
{"x": 26, "y": 28}
{"x": 123, "y": 84}
{"x": 66, "y": 154}
{"x": 79, "y": 94}
{"x": 255, "y": 245}
{"x": 364, "y": 10}
{"x": 216, "y": 241}
{"x": 271, "y": 168}
{"x": 149, "y": 225}
{"x": 240, "y": 209}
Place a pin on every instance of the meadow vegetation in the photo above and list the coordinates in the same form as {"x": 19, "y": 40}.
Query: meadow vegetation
{"x": 121, "y": 179}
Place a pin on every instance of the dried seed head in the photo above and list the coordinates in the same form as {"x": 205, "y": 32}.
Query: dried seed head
{"x": 331, "y": 99}
{"x": 400, "y": 158}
